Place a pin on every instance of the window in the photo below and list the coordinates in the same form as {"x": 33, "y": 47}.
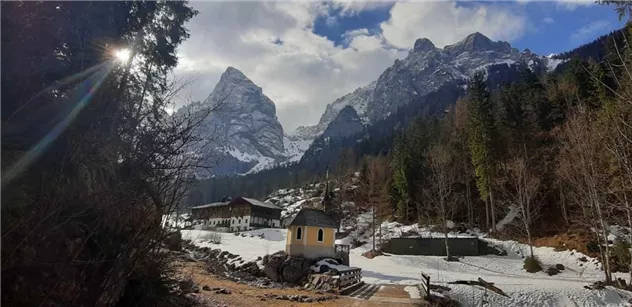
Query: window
{"x": 299, "y": 233}
{"x": 233, "y": 221}
{"x": 246, "y": 221}
{"x": 321, "y": 234}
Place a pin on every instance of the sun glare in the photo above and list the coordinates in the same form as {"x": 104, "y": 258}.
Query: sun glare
{"x": 122, "y": 55}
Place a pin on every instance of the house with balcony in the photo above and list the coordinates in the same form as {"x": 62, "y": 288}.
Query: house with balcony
{"x": 239, "y": 214}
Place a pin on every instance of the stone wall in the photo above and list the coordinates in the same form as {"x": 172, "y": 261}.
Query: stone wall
{"x": 433, "y": 246}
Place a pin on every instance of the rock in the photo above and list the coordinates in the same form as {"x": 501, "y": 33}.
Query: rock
{"x": 273, "y": 266}
{"x": 206, "y": 288}
{"x": 559, "y": 266}
{"x": 223, "y": 291}
{"x": 583, "y": 259}
{"x": 231, "y": 256}
{"x": 223, "y": 254}
{"x": 258, "y": 258}
{"x": 295, "y": 269}
{"x": 187, "y": 285}
{"x": 214, "y": 253}
{"x": 552, "y": 271}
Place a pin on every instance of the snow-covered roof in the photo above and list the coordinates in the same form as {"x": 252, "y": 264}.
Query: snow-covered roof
{"x": 259, "y": 203}
{"x": 210, "y": 205}
{"x": 313, "y": 217}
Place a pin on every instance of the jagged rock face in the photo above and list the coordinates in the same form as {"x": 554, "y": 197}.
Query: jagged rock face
{"x": 243, "y": 128}
{"x": 425, "y": 70}
{"x": 347, "y": 123}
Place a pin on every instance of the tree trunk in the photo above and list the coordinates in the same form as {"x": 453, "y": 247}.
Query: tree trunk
{"x": 373, "y": 222}
{"x": 563, "y": 203}
{"x": 447, "y": 248}
{"x": 468, "y": 201}
{"x": 604, "y": 233}
{"x": 491, "y": 209}
{"x": 487, "y": 215}
{"x": 627, "y": 206}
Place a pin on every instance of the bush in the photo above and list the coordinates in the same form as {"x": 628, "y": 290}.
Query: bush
{"x": 552, "y": 271}
{"x": 592, "y": 247}
{"x": 532, "y": 264}
{"x": 620, "y": 257}
{"x": 174, "y": 241}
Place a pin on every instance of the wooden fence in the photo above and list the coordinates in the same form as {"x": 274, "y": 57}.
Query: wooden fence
{"x": 349, "y": 277}
{"x": 425, "y": 285}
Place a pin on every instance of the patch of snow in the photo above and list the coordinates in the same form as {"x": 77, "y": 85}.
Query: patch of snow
{"x": 413, "y": 291}
{"x": 552, "y": 63}
{"x": 513, "y": 213}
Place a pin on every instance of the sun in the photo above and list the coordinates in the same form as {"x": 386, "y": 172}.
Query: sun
{"x": 122, "y": 55}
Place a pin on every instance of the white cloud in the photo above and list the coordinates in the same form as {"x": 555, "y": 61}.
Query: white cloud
{"x": 573, "y": 4}
{"x": 351, "y": 7}
{"x": 548, "y": 20}
{"x": 589, "y": 31}
{"x": 307, "y": 71}
{"x": 446, "y": 23}
{"x": 301, "y": 75}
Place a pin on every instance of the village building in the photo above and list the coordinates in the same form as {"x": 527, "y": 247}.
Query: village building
{"x": 239, "y": 214}
{"x": 311, "y": 234}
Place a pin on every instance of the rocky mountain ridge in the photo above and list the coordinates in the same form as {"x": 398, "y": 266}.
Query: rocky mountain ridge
{"x": 425, "y": 70}
{"x": 247, "y": 136}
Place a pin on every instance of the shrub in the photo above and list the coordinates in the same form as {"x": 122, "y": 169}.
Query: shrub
{"x": 592, "y": 247}
{"x": 174, "y": 241}
{"x": 620, "y": 257}
{"x": 532, "y": 264}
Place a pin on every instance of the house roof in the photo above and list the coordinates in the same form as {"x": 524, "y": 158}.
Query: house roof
{"x": 259, "y": 203}
{"x": 210, "y": 205}
{"x": 314, "y": 217}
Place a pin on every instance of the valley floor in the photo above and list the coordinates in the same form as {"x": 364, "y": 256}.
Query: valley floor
{"x": 523, "y": 289}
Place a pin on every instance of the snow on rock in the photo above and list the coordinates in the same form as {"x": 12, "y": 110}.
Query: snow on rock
{"x": 330, "y": 263}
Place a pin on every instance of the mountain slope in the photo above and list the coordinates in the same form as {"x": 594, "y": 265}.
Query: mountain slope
{"x": 243, "y": 130}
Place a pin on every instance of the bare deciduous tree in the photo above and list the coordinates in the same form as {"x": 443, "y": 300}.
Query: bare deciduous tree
{"x": 440, "y": 190}
{"x": 582, "y": 167}
{"x": 521, "y": 190}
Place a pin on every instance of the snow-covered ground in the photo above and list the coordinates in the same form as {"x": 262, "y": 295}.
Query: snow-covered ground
{"x": 524, "y": 289}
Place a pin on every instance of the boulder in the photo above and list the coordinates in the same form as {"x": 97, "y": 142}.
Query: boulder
{"x": 295, "y": 269}
{"x": 559, "y": 266}
{"x": 273, "y": 266}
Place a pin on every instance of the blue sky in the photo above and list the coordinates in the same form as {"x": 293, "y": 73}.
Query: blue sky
{"x": 551, "y": 27}
{"x": 306, "y": 54}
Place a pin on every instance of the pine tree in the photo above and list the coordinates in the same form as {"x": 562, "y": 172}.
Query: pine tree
{"x": 481, "y": 138}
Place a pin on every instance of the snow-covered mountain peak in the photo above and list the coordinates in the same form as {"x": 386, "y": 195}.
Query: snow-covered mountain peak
{"x": 478, "y": 42}
{"x": 423, "y": 45}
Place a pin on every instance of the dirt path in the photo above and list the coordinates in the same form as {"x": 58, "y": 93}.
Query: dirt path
{"x": 246, "y": 296}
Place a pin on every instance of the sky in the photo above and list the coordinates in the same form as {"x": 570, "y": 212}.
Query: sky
{"x": 304, "y": 55}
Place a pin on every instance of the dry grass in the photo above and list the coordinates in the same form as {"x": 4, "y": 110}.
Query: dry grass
{"x": 566, "y": 241}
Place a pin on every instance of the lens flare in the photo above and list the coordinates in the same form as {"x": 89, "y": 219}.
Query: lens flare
{"x": 122, "y": 55}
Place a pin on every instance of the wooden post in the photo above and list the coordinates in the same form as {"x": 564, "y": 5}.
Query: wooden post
{"x": 425, "y": 283}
